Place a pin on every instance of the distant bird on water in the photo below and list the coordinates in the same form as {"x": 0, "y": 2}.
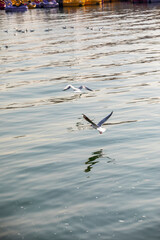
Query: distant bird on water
{"x": 78, "y": 90}
{"x": 99, "y": 125}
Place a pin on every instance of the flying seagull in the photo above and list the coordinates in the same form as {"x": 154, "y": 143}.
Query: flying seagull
{"x": 78, "y": 90}
{"x": 99, "y": 125}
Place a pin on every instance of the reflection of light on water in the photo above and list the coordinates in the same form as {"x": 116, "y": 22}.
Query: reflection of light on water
{"x": 43, "y": 101}
{"x": 93, "y": 159}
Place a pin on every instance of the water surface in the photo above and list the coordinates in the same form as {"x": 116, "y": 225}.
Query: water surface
{"x": 60, "y": 179}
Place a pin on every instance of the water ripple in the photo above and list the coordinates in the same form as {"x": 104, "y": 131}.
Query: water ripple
{"x": 60, "y": 179}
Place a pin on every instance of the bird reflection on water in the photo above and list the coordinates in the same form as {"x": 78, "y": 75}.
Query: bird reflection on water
{"x": 93, "y": 160}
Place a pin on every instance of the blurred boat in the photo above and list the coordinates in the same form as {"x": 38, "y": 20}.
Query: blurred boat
{"x": 37, "y": 3}
{"x": 78, "y": 3}
{"x": 29, "y": 4}
{"x": 93, "y": 2}
{"x": 2, "y": 5}
{"x": 49, "y": 4}
{"x": 16, "y": 6}
{"x": 73, "y": 3}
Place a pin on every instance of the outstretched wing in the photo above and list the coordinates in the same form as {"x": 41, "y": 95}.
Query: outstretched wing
{"x": 67, "y": 87}
{"x": 104, "y": 120}
{"x": 70, "y": 86}
{"x": 89, "y": 120}
{"x": 85, "y": 88}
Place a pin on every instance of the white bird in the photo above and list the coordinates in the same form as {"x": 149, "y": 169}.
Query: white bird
{"x": 99, "y": 125}
{"x": 78, "y": 90}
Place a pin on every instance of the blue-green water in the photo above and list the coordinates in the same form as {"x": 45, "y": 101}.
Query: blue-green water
{"x": 59, "y": 178}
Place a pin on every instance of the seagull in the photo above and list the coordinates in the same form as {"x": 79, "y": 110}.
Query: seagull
{"x": 99, "y": 125}
{"x": 78, "y": 90}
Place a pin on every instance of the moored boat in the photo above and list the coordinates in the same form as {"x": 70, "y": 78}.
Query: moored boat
{"x": 93, "y": 2}
{"x": 16, "y": 9}
{"x": 73, "y": 3}
{"x": 2, "y": 4}
{"x": 37, "y": 3}
{"x": 17, "y": 6}
{"x": 49, "y": 4}
{"x": 31, "y": 5}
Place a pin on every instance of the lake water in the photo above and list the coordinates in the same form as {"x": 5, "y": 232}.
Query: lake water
{"x": 59, "y": 178}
